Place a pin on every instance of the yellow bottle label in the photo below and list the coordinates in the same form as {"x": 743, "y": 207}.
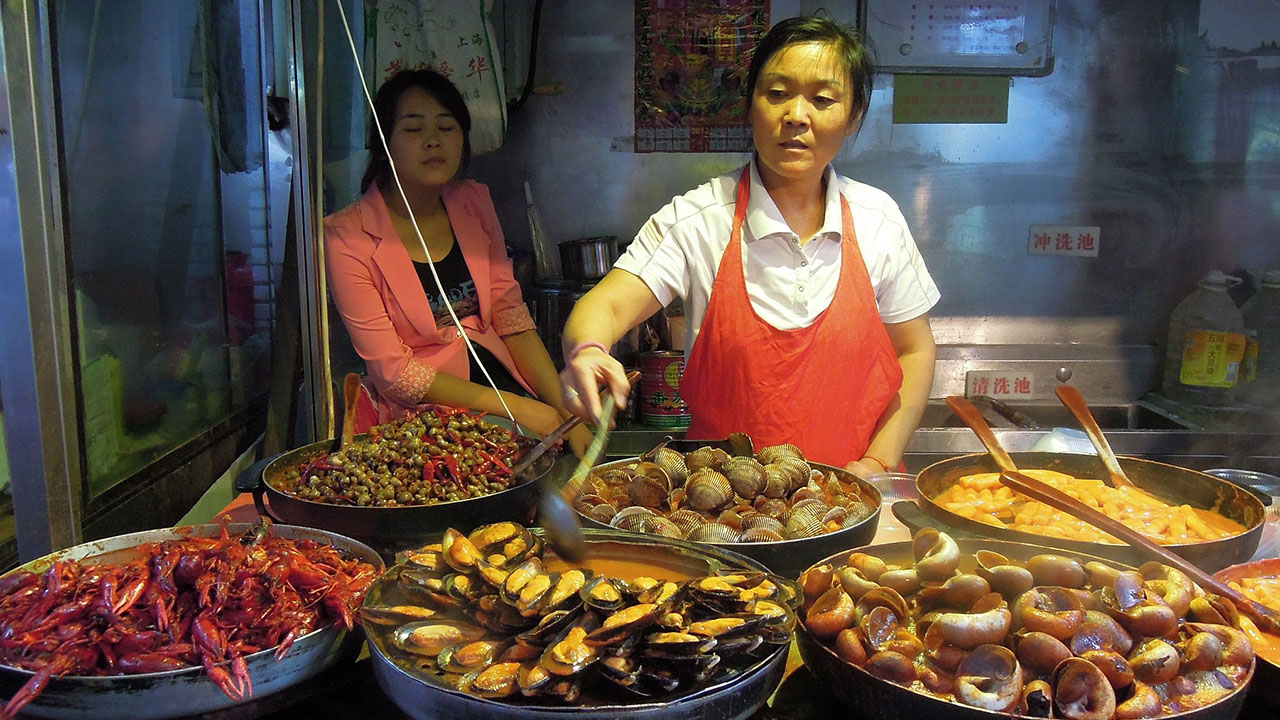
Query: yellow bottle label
{"x": 1249, "y": 365}
{"x": 1211, "y": 359}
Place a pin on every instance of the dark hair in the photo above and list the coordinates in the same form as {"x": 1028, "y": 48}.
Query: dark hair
{"x": 854, "y": 52}
{"x": 384, "y": 106}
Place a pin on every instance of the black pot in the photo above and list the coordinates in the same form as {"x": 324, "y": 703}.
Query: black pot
{"x": 589, "y": 258}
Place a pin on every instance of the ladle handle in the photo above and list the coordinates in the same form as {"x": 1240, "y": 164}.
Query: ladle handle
{"x": 350, "y": 393}
{"x": 972, "y": 417}
{"x": 1075, "y": 402}
{"x": 1266, "y": 618}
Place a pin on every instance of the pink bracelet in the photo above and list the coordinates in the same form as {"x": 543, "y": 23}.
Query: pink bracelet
{"x": 583, "y": 346}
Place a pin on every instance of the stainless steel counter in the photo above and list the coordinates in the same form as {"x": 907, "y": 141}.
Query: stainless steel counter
{"x": 1199, "y": 449}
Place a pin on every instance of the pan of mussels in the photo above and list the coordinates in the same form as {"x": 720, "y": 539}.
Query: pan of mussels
{"x": 772, "y": 504}
{"x": 986, "y": 629}
{"x": 494, "y": 625}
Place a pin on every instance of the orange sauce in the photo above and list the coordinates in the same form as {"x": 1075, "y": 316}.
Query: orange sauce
{"x": 628, "y": 561}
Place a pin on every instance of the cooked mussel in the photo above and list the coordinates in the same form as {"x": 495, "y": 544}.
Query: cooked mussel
{"x": 494, "y": 681}
{"x": 430, "y": 637}
{"x": 603, "y": 593}
{"x": 465, "y": 657}
{"x": 569, "y": 654}
{"x": 393, "y": 614}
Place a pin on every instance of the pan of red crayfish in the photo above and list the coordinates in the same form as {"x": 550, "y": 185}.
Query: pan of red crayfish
{"x": 403, "y": 482}
{"x": 189, "y": 691}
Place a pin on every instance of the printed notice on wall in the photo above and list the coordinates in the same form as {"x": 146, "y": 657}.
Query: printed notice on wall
{"x": 950, "y": 99}
{"x": 1071, "y": 240}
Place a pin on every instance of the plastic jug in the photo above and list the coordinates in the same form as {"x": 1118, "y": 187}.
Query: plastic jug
{"x": 1206, "y": 344}
{"x": 1261, "y": 382}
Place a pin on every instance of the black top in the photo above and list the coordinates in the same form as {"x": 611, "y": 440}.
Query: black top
{"x": 460, "y": 288}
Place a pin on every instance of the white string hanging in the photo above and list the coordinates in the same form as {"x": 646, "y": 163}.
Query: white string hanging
{"x": 395, "y": 175}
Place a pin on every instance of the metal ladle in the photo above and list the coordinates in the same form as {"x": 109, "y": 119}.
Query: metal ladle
{"x": 555, "y": 506}
{"x": 1266, "y": 618}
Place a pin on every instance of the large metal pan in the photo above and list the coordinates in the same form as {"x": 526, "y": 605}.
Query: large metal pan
{"x": 875, "y": 699}
{"x": 1170, "y": 483}
{"x": 1266, "y": 688}
{"x": 787, "y": 558}
{"x": 735, "y": 698}
{"x": 387, "y": 529}
{"x": 182, "y": 693}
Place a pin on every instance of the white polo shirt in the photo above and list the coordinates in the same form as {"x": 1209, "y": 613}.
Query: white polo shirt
{"x": 678, "y": 251}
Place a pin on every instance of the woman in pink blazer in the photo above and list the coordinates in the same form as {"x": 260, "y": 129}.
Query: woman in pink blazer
{"x": 382, "y": 284}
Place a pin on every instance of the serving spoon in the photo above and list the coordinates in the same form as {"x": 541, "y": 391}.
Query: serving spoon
{"x": 1265, "y": 618}
{"x": 1074, "y": 401}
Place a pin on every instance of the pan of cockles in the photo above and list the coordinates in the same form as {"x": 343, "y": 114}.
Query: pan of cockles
{"x": 180, "y": 622}
{"x": 980, "y": 629}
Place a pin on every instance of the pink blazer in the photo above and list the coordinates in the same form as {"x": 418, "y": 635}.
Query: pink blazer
{"x": 381, "y": 300}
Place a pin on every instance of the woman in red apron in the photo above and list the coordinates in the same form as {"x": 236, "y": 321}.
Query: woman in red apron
{"x": 802, "y": 330}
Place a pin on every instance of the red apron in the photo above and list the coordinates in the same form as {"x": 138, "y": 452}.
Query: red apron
{"x": 822, "y": 387}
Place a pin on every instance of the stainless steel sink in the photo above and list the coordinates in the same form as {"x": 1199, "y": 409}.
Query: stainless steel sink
{"x": 1132, "y": 416}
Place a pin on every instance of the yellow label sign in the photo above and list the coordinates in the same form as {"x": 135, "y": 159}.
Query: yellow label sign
{"x": 1212, "y": 359}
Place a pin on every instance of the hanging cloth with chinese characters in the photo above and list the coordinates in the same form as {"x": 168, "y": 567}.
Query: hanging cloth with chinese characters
{"x": 452, "y": 37}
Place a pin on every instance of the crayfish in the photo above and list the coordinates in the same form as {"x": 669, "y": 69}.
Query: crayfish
{"x": 178, "y": 604}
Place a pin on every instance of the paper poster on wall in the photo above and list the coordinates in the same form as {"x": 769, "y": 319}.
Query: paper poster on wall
{"x": 692, "y": 58}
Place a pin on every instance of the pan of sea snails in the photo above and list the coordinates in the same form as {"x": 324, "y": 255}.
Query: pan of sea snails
{"x": 985, "y": 629}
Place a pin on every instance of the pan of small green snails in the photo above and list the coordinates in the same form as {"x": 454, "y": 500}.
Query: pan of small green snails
{"x": 403, "y": 482}
{"x": 980, "y": 629}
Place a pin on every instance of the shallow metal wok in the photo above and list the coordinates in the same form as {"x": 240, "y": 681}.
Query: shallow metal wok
{"x": 189, "y": 692}
{"x": 1266, "y": 686}
{"x": 387, "y": 529}
{"x": 429, "y": 697}
{"x": 875, "y": 699}
{"x": 1170, "y": 483}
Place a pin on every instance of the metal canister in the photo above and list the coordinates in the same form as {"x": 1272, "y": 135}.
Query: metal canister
{"x": 660, "y": 401}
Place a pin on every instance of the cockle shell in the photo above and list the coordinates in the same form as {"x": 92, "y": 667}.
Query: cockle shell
{"x": 631, "y": 518}
{"x": 687, "y": 520}
{"x": 714, "y": 532}
{"x": 773, "y": 453}
{"x": 705, "y": 457}
{"x": 708, "y": 490}
{"x": 671, "y": 462}
{"x": 746, "y": 476}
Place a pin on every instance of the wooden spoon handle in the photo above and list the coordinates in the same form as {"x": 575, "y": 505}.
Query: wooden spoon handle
{"x": 350, "y": 393}
{"x": 1266, "y": 618}
{"x": 972, "y": 417}
{"x": 1075, "y": 402}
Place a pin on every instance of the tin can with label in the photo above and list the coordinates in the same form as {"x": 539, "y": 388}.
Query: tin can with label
{"x": 660, "y": 401}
